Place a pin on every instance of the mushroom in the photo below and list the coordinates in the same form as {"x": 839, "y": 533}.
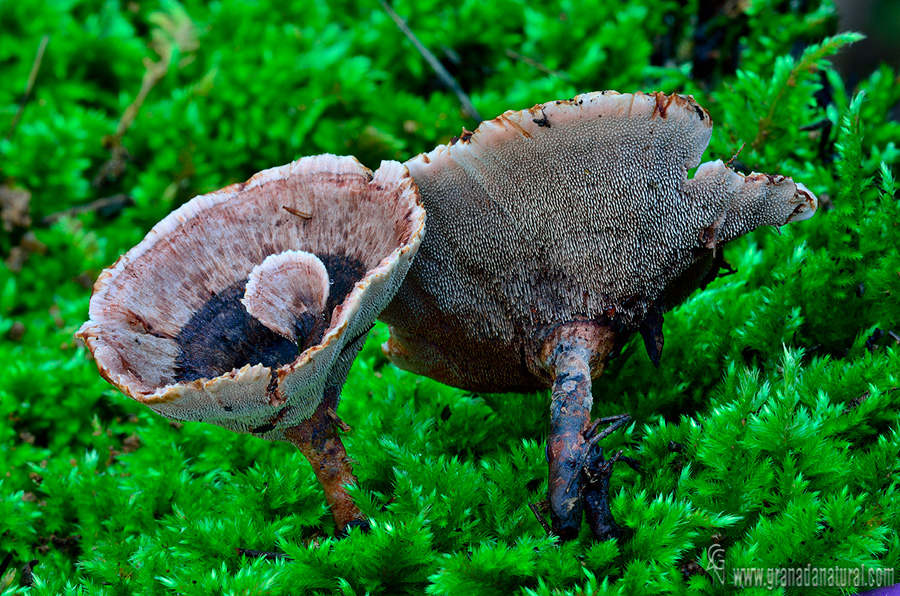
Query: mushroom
{"x": 245, "y": 307}
{"x": 553, "y": 234}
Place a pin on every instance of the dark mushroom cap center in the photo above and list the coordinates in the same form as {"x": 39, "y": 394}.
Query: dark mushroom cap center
{"x": 222, "y": 336}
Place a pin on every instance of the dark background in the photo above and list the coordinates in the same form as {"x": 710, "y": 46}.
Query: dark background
{"x": 880, "y": 21}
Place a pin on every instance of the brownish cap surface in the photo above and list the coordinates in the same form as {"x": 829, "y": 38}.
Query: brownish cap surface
{"x": 571, "y": 210}
{"x": 235, "y": 311}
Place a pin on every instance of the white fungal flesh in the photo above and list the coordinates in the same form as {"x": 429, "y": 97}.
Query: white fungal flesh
{"x": 285, "y": 288}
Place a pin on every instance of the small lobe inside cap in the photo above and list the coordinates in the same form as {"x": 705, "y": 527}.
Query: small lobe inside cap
{"x": 287, "y": 293}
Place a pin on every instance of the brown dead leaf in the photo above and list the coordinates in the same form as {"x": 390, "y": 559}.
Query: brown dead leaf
{"x": 15, "y": 208}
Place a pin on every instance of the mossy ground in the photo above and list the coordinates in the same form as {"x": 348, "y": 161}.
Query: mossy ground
{"x": 779, "y": 384}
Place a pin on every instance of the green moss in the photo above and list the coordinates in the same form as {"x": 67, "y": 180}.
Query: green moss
{"x": 779, "y": 384}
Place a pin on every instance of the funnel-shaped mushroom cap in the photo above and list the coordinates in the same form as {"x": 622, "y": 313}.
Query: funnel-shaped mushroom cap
{"x": 238, "y": 311}
{"x": 571, "y": 210}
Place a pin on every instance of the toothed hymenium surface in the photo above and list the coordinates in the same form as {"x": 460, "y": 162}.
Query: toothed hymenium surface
{"x": 553, "y": 234}
{"x": 571, "y": 210}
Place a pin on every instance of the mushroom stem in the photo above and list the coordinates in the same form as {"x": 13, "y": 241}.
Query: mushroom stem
{"x": 574, "y": 353}
{"x": 318, "y": 439}
{"x": 570, "y": 415}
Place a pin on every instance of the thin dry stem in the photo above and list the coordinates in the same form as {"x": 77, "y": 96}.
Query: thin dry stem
{"x": 32, "y": 76}
{"x": 435, "y": 64}
{"x": 538, "y": 65}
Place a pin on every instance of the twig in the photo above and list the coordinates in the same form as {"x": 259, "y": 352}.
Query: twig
{"x": 608, "y": 464}
{"x": 535, "y": 64}
{"x": 735, "y": 156}
{"x": 297, "y": 212}
{"x": 247, "y": 552}
{"x": 337, "y": 421}
{"x": 589, "y": 433}
{"x": 112, "y": 204}
{"x": 114, "y": 167}
{"x": 435, "y": 64}
{"x": 174, "y": 35}
{"x": 620, "y": 420}
{"x": 540, "y": 518}
{"x": 32, "y": 76}
{"x": 857, "y": 401}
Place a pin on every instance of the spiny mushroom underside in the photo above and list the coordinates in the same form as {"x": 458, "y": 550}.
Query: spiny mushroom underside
{"x": 241, "y": 307}
{"x": 571, "y": 211}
